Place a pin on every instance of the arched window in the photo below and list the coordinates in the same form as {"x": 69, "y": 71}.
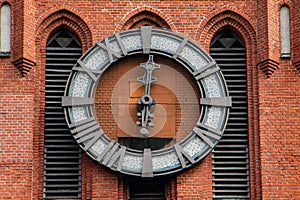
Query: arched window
{"x": 230, "y": 156}
{"x": 285, "y": 32}
{"x": 62, "y": 158}
{"x": 5, "y": 29}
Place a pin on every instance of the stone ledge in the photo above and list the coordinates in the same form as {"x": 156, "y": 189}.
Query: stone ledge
{"x": 5, "y": 54}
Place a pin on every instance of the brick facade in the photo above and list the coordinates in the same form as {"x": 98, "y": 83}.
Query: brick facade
{"x": 273, "y": 90}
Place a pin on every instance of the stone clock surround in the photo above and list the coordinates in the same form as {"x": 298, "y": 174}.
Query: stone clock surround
{"x": 79, "y": 100}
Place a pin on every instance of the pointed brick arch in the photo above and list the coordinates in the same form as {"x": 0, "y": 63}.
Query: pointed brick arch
{"x": 145, "y": 16}
{"x": 230, "y": 18}
{"x": 67, "y": 19}
{"x": 225, "y": 17}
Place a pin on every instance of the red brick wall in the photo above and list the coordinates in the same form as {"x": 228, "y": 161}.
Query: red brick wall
{"x": 279, "y": 133}
{"x": 196, "y": 183}
{"x": 279, "y": 116}
{"x": 273, "y": 102}
{"x": 16, "y": 133}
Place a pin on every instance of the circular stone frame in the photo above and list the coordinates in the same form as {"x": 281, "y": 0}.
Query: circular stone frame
{"x": 78, "y": 103}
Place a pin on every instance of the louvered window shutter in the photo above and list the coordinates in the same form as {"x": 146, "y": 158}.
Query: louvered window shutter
{"x": 62, "y": 158}
{"x": 230, "y": 156}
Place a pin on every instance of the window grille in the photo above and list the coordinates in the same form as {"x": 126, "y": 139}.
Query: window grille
{"x": 62, "y": 158}
{"x": 230, "y": 156}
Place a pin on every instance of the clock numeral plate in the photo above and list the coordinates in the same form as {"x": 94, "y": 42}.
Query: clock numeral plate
{"x": 93, "y": 74}
{"x": 181, "y": 153}
{"x": 217, "y": 101}
{"x": 181, "y": 46}
{"x": 118, "y": 157}
{"x": 147, "y": 164}
{"x": 146, "y": 38}
{"x": 76, "y": 101}
{"x": 86, "y": 131}
{"x": 112, "y": 55}
{"x": 208, "y": 137}
{"x": 207, "y": 70}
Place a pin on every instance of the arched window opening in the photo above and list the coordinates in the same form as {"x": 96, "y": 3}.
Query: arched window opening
{"x": 285, "y": 32}
{"x": 62, "y": 158}
{"x": 230, "y": 156}
{"x": 145, "y": 18}
{"x": 5, "y": 29}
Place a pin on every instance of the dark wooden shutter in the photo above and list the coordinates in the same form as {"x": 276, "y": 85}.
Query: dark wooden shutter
{"x": 230, "y": 157}
{"x": 62, "y": 158}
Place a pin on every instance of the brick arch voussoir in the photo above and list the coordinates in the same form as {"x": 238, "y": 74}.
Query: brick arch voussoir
{"x": 226, "y": 23}
{"x": 221, "y": 19}
{"x": 69, "y": 20}
{"x": 135, "y": 13}
{"x": 288, "y": 3}
{"x": 5, "y": 2}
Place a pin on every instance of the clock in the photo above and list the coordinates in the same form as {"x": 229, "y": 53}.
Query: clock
{"x": 146, "y": 102}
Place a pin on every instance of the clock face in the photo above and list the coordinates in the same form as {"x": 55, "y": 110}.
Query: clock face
{"x": 146, "y": 102}
{"x": 175, "y": 93}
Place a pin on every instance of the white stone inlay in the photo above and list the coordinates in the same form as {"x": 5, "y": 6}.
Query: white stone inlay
{"x": 213, "y": 117}
{"x": 164, "y": 43}
{"x": 96, "y": 59}
{"x": 165, "y": 161}
{"x": 80, "y": 85}
{"x": 99, "y": 146}
{"x": 132, "y": 162}
{"x": 79, "y": 113}
{"x": 192, "y": 57}
{"x": 132, "y": 42}
{"x": 212, "y": 86}
{"x": 194, "y": 147}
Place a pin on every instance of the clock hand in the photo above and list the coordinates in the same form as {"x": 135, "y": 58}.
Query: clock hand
{"x": 146, "y": 103}
{"x": 147, "y": 79}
